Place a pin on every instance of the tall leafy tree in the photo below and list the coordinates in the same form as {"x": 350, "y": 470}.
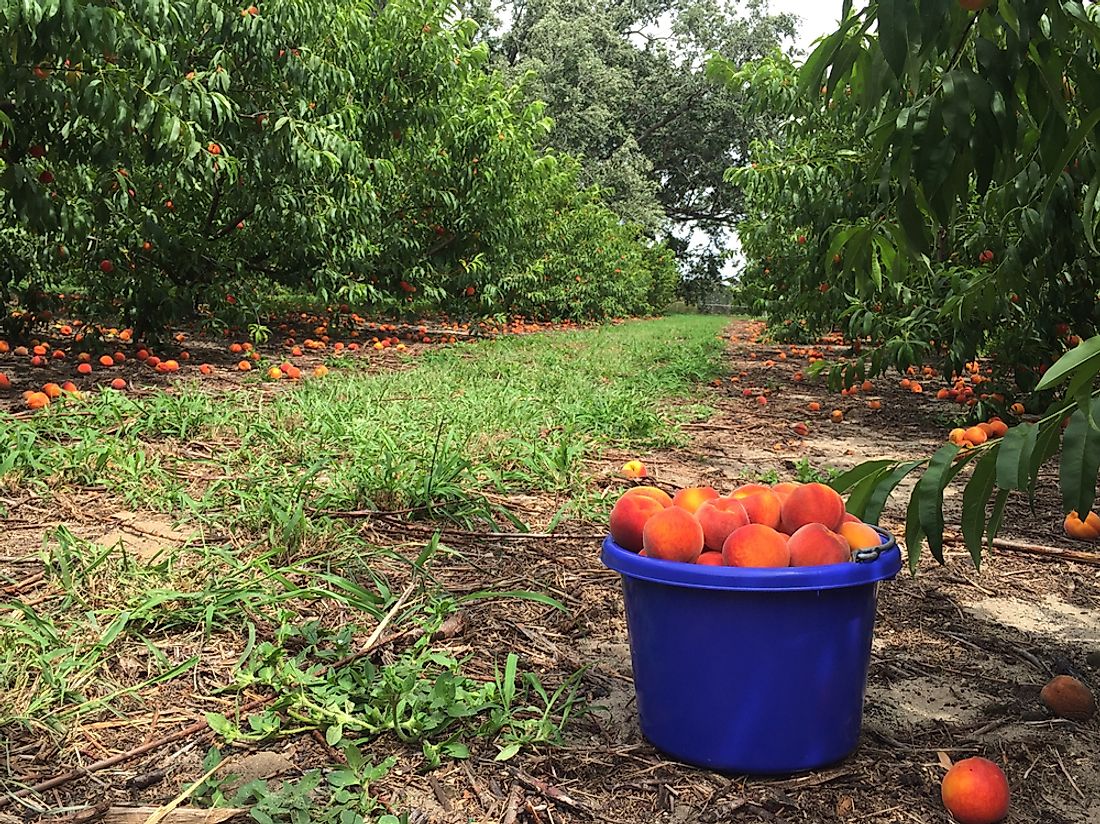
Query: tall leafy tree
{"x": 625, "y": 83}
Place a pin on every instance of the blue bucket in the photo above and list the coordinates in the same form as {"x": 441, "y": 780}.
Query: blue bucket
{"x": 757, "y": 671}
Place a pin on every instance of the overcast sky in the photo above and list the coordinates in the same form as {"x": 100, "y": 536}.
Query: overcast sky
{"x": 818, "y": 17}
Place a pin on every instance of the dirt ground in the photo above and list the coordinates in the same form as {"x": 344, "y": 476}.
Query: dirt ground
{"x": 957, "y": 663}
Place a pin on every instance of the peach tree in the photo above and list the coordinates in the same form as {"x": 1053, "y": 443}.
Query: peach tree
{"x": 940, "y": 168}
{"x": 167, "y": 154}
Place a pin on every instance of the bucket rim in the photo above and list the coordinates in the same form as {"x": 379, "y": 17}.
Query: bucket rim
{"x": 744, "y": 579}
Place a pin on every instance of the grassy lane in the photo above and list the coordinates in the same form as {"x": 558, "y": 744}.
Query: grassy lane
{"x": 284, "y": 588}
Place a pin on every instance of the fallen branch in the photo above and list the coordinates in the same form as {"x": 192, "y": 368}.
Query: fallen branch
{"x": 1077, "y": 556}
{"x": 549, "y": 792}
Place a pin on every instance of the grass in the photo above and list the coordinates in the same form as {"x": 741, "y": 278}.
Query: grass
{"x": 288, "y": 591}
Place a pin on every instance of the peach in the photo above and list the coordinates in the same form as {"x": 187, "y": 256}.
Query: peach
{"x": 1083, "y": 530}
{"x": 756, "y": 545}
{"x": 659, "y": 495}
{"x": 693, "y": 497}
{"x": 849, "y": 518}
{"x": 785, "y": 489}
{"x": 633, "y": 469}
{"x": 761, "y": 503}
{"x": 710, "y": 559}
{"x": 817, "y": 545}
{"x": 1067, "y": 697}
{"x": 859, "y": 535}
{"x": 812, "y": 504}
{"x": 718, "y": 518}
{"x": 629, "y": 516}
{"x": 975, "y": 791}
{"x": 673, "y": 534}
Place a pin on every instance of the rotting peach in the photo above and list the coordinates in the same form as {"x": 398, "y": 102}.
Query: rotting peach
{"x": 718, "y": 518}
{"x": 693, "y": 497}
{"x": 629, "y": 516}
{"x": 756, "y": 545}
{"x": 710, "y": 559}
{"x": 975, "y": 791}
{"x": 816, "y": 545}
{"x": 659, "y": 495}
{"x": 673, "y": 534}
{"x": 762, "y": 504}
{"x": 812, "y": 503}
{"x": 859, "y": 535}
{"x": 1087, "y": 529}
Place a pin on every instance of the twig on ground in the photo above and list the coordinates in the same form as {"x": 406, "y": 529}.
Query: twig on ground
{"x": 549, "y": 792}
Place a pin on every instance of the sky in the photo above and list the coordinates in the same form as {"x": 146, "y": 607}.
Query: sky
{"x": 818, "y": 17}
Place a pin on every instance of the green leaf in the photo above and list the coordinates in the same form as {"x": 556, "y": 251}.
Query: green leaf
{"x": 1074, "y": 359}
{"x": 1014, "y": 456}
{"x": 929, "y": 493}
{"x": 857, "y": 500}
{"x": 996, "y": 515}
{"x": 878, "y": 498}
{"x": 1073, "y": 145}
{"x": 1080, "y": 461}
{"x": 524, "y": 595}
{"x": 913, "y": 533}
{"x": 975, "y": 496}
{"x": 846, "y": 480}
{"x": 508, "y": 752}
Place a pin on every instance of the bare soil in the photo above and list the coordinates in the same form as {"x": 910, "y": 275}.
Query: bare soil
{"x": 958, "y": 659}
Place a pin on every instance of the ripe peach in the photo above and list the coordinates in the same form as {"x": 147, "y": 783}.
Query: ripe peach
{"x": 5, "y": 381}
{"x": 859, "y": 535}
{"x": 756, "y": 545}
{"x": 84, "y": 369}
{"x": 633, "y": 469}
{"x": 812, "y": 504}
{"x": 629, "y": 516}
{"x": 785, "y": 489}
{"x": 761, "y": 504}
{"x": 718, "y": 518}
{"x": 693, "y": 497}
{"x": 817, "y": 545}
{"x": 976, "y": 435}
{"x": 52, "y": 391}
{"x": 320, "y": 371}
{"x": 659, "y": 495}
{"x": 118, "y": 383}
{"x": 975, "y": 791}
{"x": 37, "y": 400}
{"x": 672, "y": 534}
{"x": 997, "y": 428}
{"x": 710, "y": 559}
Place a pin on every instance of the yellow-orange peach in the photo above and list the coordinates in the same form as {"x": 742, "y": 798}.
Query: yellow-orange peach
{"x": 761, "y": 503}
{"x": 785, "y": 489}
{"x": 693, "y": 497}
{"x": 756, "y": 545}
{"x": 817, "y": 545}
{"x": 859, "y": 535}
{"x": 718, "y": 518}
{"x": 659, "y": 495}
{"x": 1083, "y": 530}
{"x": 812, "y": 504}
{"x": 629, "y": 517}
{"x": 975, "y": 791}
{"x": 673, "y": 534}
{"x": 710, "y": 559}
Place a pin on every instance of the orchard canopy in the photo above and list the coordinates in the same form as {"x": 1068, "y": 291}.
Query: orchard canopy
{"x": 931, "y": 190}
{"x": 167, "y": 154}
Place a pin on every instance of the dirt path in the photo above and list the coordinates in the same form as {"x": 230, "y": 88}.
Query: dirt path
{"x": 958, "y": 658}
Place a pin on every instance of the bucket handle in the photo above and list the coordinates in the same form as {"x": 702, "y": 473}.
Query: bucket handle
{"x": 866, "y": 556}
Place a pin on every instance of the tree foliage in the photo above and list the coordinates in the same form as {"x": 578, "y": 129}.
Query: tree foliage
{"x": 167, "y": 153}
{"x": 940, "y": 168}
{"x": 625, "y": 84}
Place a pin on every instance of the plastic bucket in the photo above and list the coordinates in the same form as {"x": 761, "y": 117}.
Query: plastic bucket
{"x": 758, "y": 671}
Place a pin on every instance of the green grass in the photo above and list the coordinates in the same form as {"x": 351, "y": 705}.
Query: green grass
{"x": 289, "y": 588}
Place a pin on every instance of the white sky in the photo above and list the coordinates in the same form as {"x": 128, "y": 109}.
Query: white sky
{"x": 818, "y": 17}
